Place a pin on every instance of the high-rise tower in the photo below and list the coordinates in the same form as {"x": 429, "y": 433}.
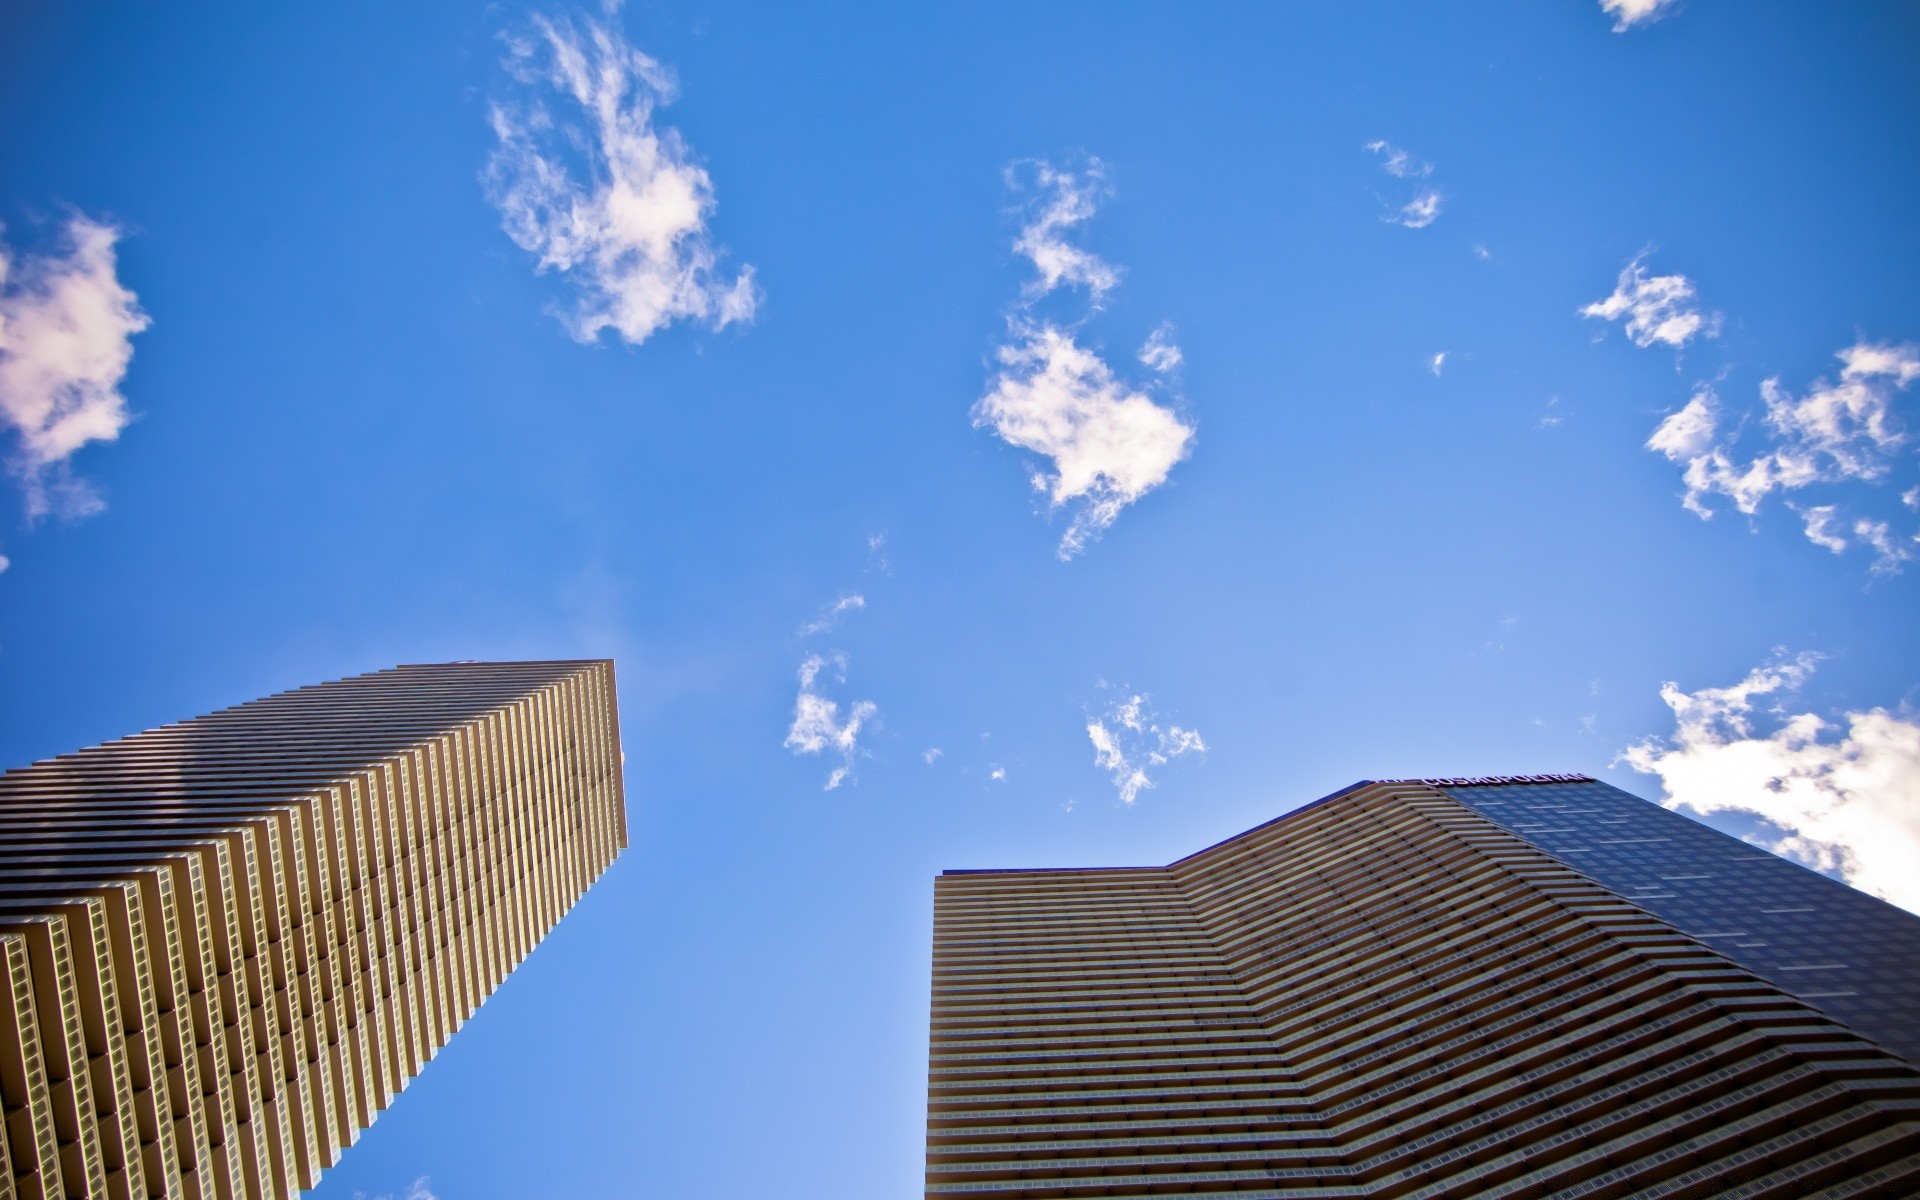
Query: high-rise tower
{"x": 1520, "y": 987}
{"x": 229, "y": 943}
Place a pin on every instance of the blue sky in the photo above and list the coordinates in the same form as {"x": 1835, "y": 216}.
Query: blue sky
{"x": 1168, "y": 417}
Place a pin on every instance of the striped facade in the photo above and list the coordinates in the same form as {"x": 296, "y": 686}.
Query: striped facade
{"x": 229, "y": 943}
{"x": 1384, "y": 994}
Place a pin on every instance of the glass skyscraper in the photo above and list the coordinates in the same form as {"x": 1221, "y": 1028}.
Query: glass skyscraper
{"x": 227, "y": 944}
{"x": 1521, "y": 987}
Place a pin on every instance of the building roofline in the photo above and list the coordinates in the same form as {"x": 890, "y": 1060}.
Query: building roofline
{"x": 1442, "y": 781}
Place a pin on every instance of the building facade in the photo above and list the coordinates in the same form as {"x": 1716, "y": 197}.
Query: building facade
{"x": 1422, "y": 989}
{"x": 230, "y": 942}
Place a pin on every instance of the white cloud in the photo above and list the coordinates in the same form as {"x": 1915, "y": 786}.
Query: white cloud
{"x": 1160, "y": 353}
{"x": 1827, "y": 528}
{"x": 1842, "y": 799}
{"x": 1128, "y": 740}
{"x": 1437, "y": 363}
{"x": 5, "y": 562}
{"x": 817, "y": 727}
{"x": 998, "y": 774}
{"x": 831, "y": 616}
{"x": 1398, "y": 163}
{"x": 66, "y": 325}
{"x": 1841, "y": 431}
{"x": 1820, "y": 520}
{"x": 1657, "y": 308}
{"x": 1062, "y": 201}
{"x": 932, "y": 755}
{"x": 1420, "y": 211}
{"x": 1482, "y": 253}
{"x": 1891, "y": 552}
{"x": 1628, "y": 13}
{"x": 1110, "y": 444}
{"x": 602, "y": 195}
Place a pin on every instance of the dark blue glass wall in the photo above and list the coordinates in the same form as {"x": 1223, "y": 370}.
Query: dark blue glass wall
{"x": 1841, "y": 950}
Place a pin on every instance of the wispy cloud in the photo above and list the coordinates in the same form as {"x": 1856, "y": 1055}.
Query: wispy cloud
{"x": 1128, "y": 741}
{"x": 1060, "y": 201}
{"x": 1891, "y": 551}
{"x": 1110, "y": 442}
{"x": 1844, "y": 799}
{"x": 1656, "y": 308}
{"x": 817, "y": 725}
{"x": 1160, "y": 352}
{"x": 931, "y": 755}
{"x": 832, "y": 614}
{"x": 1423, "y": 207}
{"x": 66, "y": 329}
{"x": 1437, "y": 363}
{"x": 1840, "y": 431}
{"x": 1628, "y": 13}
{"x": 586, "y": 181}
{"x": 1822, "y": 521}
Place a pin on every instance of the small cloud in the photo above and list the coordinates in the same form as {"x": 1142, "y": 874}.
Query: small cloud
{"x": 931, "y": 755}
{"x": 1420, "y": 211}
{"x": 1068, "y": 805}
{"x": 1128, "y": 740}
{"x": 1845, "y": 800}
{"x": 1911, "y": 497}
{"x": 998, "y": 773}
{"x": 5, "y": 562}
{"x": 1060, "y": 201}
{"x": 877, "y": 554}
{"x": 1109, "y": 443}
{"x": 1437, "y": 363}
{"x": 1159, "y": 352}
{"x": 1550, "y": 418}
{"x": 1628, "y": 13}
{"x": 1841, "y": 431}
{"x": 1656, "y": 308}
{"x": 1820, "y": 521}
{"x": 817, "y": 727}
{"x": 586, "y": 181}
{"x": 1891, "y": 553}
{"x": 66, "y": 329}
{"x": 1482, "y": 253}
{"x": 831, "y": 616}
{"x": 1398, "y": 163}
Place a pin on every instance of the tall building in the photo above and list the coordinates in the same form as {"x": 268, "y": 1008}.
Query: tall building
{"x": 1502, "y": 987}
{"x": 229, "y": 943}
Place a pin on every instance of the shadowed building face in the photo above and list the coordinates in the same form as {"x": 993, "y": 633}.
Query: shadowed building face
{"x": 229, "y": 943}
{"x": 1391, "y": 994}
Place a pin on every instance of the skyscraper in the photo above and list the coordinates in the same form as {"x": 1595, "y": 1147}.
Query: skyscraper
{"x": 1516, "y": 986}
{"x": 229, "y": 943}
